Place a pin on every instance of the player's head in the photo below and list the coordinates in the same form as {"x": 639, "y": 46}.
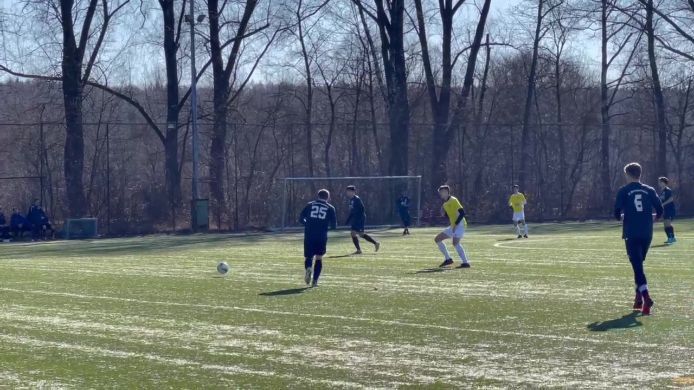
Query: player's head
{"x": 633, "y": 171}
{"x": 445, "y": 191}
{"x": 663, "y": 182}
{"x": 516, "y": 188}
{"x": 324, "y": 195}
{"x": 351, "y": 191}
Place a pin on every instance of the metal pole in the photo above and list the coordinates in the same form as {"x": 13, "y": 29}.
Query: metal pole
{"x": 284, "y": 204}
{"x": 419, "y": 201}
{"x": 41, "y": 162}
{"x": 108, "y": 180}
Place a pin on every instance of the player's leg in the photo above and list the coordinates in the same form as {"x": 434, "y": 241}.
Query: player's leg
{"x": 516, "y": 224}
{"x": 637, "y": 249}
{"x": 320, "y": 249}
{"x": 459, "y": 247}
{"x": 669, "y": 231}
{"x": 355, "y": 241}
{"x": 318, "y": 267}
{"x": 525, "y": 228}
{"x": 439, "y": 240}
{"x": 308, "y": 261}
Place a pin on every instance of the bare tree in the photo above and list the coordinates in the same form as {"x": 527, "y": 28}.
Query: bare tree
{"x": 389, "y": 16}
{"x": 440, "y": 91}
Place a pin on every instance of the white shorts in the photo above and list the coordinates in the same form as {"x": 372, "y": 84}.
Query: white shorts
{"x": 519, "y": 216}
{"x": 458, "y": 233}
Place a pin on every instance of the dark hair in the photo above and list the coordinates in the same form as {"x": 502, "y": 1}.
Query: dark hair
{"x": 516, "y": 186}
{"x": 351, "y": 188}
{"x": 664, "y": 180}
{"x": 445, "y": 187}
{"x": 633, "y": 170}
{"x": 324, "y": 194}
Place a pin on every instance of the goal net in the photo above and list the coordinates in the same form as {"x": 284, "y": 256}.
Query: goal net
{"x": 379, "y": 193}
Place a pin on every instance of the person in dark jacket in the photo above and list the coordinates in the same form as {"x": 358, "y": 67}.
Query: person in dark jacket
{"x": 40, "y": 225}
{"x": 18, "y": 224}
{"x": 4, "y": 229}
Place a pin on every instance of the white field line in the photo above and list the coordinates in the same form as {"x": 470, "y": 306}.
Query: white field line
{"x": 350, "y": 318}
{"x": 224, "y": 369}
{"x": 394, "y": 361}
{"x": 17, "y": 382}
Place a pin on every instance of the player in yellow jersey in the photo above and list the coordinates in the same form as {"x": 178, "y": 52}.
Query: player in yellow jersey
{"x": 456, "y": 216}
{"x": 517, "y": 202}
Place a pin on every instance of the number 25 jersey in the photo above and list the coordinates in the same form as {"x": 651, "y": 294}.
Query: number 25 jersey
{"x": 317, "y": 217}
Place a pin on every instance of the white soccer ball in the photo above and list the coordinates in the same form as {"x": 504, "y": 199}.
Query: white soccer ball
{"x": 223, "y": 268}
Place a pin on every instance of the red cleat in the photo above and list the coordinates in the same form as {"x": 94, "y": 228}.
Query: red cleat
{"x": 646, "y": 308}
{"x": 638, "y": 302}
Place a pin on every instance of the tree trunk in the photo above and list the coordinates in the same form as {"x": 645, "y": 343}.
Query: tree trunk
{"x": 529, "y": 96}
{"x": 72, "y": 99}
{"x": 605, "y": 175}
{"x": 658, "y": 98}
{"x": 173, "y": 179}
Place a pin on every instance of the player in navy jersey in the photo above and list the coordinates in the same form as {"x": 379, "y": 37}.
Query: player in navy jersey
{"x": 317, "y": 217}
{"x": 403, "y": 205}
{"x": 357, "y": 220}
{"x": 670, "y": 211}
{"x": 635, "y": 205}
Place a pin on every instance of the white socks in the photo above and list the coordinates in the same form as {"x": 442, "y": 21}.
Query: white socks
{"x": 444, "y": 250}
{"x": 461, "y": 253}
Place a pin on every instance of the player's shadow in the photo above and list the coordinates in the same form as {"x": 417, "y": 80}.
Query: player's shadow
{"x": 660, "y": 246}
{"x": 431, "y": 270}
{"x": 338, "y": 256}
{"x": 506, "y": 239}
{"x": 291, "y": 291}
{"x": 625, "y": 322}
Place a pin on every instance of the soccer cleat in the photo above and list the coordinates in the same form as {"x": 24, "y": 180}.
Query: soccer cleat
{"x": 519, "y": 236}
{"x": 646, "y": 308}
{"x": 638, "y": 302}
{"x": 357, "y": 253}
{"x": 525, "y": 236}
{"x": 446, "y": 263}
{"x": 314, "y": 285}
{"x": 307, "y": 276}
{"x": 464, "y": 265}
{"x": 377, "y": 245}
{"x": 673, "y": 240}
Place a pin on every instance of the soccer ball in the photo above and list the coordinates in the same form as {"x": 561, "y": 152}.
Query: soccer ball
{"x": 223, "y": 268}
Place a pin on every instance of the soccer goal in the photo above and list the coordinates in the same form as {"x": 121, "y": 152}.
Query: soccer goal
{"x": 379, "y": 193}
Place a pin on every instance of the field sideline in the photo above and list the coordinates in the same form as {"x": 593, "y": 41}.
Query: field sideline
{"x": 550, "y": 311}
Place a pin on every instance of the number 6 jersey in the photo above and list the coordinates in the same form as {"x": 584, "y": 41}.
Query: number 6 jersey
{"x": 638, "y": 202}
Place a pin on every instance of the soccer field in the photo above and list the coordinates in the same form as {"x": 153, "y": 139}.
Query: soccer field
{"x": 550, "y": 311}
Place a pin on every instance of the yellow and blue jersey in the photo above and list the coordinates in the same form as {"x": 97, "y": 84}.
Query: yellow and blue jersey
{"x": 451, "y": 207}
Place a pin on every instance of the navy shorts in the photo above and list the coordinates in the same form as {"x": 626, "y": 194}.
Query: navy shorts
{"x": 315, "y": 247}
{"x": 669, "y": 214}
{"x": 358, "y": 226}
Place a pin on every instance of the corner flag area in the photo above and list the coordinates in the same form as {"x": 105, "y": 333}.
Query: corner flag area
{"x": 553, "y": 310}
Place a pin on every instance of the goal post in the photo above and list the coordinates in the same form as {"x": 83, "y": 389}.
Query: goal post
{"x": 379, "y": 193}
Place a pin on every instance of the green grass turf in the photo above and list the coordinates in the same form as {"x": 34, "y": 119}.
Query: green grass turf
{"x": 550, "y": 311}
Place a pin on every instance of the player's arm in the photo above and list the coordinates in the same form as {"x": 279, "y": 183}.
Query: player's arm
{"x": 525, "y": 200}
{"x": 304, "y": 215}
{"x": 657, "y": 204}
{"x": 619, "y": 205}
{"x": 461, "y": 215}
{"x": 332, "y": 218}
{"x": 669, "y": 199}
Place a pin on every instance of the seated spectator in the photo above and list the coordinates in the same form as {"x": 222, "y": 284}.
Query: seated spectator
{"x": 18, "y": 224}
{"x": 40, "y": 225}
{"x": 4, "y": 229}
